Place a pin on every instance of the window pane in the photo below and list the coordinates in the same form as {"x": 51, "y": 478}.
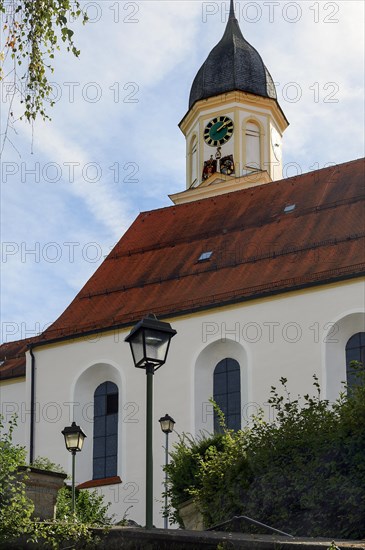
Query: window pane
{"x": 355, "y": 351}
{"x": 220, "y": 384}
{"x": 111, "y": 445}
{"x": 111, "y": 388}
{"x": 221, "y": 367}
{"x": 99, "y": 426}
{"x": 98, "y": 468}
{"x": 227, "y": 393}
{"x": 234, "y": 403}
{"x": 99, "y": 447}
{"x": 99, "y": 405}
{"x": 111, "y": 424}
{"x": 233, "y": 381}
{"x": 105, "y": 440}
{"x": 354, "y": 341}
{"x": 235, "y": 422}
{"x": 232, "y": 365}
{"x": 111, "y": 466}
{"x": 223, "y": 406}
{"x": 112, "y": 403}
{"x": 352, "y": 355}
{"x": 100, "y": 390}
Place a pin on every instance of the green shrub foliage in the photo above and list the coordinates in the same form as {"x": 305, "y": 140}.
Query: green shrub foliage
{"x": 17, "y": 524}
{"x": 15, "y": 508}
{"x": 44, "y": 463}
{"x": 303, "y": 473}
{"x": 184, "y": 468}
{"x": 90, "y": 507}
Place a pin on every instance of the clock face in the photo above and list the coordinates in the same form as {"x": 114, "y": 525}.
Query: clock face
{"x": 218, "y": 131}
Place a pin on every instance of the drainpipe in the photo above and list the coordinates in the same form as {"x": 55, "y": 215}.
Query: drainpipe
{"x": 32, "y": 406}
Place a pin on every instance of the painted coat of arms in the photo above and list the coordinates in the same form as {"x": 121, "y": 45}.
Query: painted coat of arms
{"x": 227, "y": 165}
{"x": 210, "y": 167}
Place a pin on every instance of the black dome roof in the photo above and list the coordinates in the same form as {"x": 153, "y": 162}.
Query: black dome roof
{"x": 232, "y": 65}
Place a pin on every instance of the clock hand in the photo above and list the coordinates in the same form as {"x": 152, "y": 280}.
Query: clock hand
{"x": 223, "y": 126}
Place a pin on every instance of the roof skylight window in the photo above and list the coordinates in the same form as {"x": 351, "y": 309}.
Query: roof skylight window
{"x": 289, "y": 208}
{"x": 204, "y": 256}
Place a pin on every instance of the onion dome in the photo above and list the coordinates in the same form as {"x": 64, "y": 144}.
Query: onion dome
{"x": 232, "y": 65}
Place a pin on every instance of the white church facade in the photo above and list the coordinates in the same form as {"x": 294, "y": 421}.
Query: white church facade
{"x": 261, "y": 278}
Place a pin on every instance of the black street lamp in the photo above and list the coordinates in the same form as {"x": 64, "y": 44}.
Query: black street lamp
{"x": 150, "y": 341}
{"x": 74, "y": 440}
{"x": 167, "y": 426}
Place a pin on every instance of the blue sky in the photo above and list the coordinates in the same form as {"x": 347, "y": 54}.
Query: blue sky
{"x": 71, "y": 187}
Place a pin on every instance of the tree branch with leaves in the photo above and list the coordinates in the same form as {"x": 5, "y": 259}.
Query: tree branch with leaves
{"x": 32, "y": 33}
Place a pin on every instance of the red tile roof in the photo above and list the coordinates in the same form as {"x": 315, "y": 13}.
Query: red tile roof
{"x": 12, "y": 358}
{"x": 258, "y": 249}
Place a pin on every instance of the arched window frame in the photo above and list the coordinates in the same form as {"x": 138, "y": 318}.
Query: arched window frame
{"x": 206, "y": 360}
{"x": 337, "y": 332}
{"x": 193, "y": 161}
{"x": 355, "y": 351}
{"x": 251, "y": 120}
{"x": 227, "y": 393}
{"x": 105, "y": 430}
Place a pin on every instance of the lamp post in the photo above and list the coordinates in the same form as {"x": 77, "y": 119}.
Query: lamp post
{"x": 74, "y": 440}
{"x": 167, "y": 426}
{"x": 150, "y": 341}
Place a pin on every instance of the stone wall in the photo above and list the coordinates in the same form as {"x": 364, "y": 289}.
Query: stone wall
{"x": 159, "y": 539}
{"x": 41, "y": 487}
{"x": 130, "y": 538}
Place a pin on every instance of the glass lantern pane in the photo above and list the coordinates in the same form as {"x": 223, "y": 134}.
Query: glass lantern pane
{"x": 80, "y": 442}
{"x": 72, "y": 440}
{"x": 165, "y": 425}
{"x": 156, "y": 344}
{"x": 137, "y": 347}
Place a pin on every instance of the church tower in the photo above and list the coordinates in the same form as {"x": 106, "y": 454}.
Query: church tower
{"x": 234, "y": 125}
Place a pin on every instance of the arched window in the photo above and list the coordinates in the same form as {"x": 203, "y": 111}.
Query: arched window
{"x": 355, "y": 351}
{"x": 253, "y": 147}
{"x": 194, "y": 162}
{"x": 227, "y": 393}
{"x": 105, "y": 448}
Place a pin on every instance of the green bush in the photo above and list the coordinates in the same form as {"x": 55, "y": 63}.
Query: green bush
{"x": 43, "y": 463}
{"x": 304, "y": 473}
{"x": 184, "y": 467}
{"x": 16, "y": 509}
{"x": 90, "y": 507}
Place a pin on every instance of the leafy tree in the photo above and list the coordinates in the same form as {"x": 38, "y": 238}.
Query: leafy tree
{"x": 15, "y": 508}
{"x": 32, "y": 33}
